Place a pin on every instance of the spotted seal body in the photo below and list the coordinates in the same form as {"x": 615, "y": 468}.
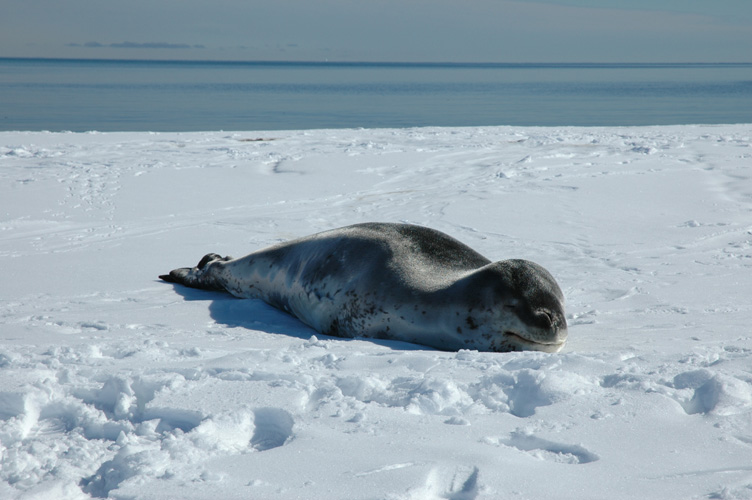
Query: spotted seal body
{"x": 399, "y": 282}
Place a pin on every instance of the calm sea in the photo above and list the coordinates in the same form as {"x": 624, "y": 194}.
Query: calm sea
{"x": 82, "y": 95}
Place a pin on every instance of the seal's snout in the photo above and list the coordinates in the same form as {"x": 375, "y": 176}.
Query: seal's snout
{"x": 559, "y": 333}
{"x": 548, "y": 332}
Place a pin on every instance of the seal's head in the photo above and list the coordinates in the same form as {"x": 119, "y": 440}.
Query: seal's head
{"x": 524, "y": 307}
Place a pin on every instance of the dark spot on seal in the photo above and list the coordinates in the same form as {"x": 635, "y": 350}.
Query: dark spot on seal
{"x": 471, "y": 323}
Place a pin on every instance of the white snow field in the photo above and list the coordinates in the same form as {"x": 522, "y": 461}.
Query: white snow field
{"x": 116, "y": 385}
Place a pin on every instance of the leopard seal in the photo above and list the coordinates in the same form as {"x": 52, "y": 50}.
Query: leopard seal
{"x": 396, "y": 281}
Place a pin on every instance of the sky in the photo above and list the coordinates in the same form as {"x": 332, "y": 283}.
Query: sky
{"x": 381, "y": 30}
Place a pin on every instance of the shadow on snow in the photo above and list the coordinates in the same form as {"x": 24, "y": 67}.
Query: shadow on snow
{"x": 255, "y": 314}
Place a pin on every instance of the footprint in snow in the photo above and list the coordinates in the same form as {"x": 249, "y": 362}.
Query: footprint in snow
{"x": 273, "y": 428}
{"x": 543, "y": 449}
{"x": 459, "y": 483}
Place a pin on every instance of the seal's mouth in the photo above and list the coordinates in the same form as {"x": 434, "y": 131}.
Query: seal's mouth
{"x": 547, "y": 346}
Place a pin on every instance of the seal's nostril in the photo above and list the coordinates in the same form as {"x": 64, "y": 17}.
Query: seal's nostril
{"x": 547, "y": 316}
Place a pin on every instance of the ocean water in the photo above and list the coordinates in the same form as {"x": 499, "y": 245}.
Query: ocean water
{"x": 83, "y": 95}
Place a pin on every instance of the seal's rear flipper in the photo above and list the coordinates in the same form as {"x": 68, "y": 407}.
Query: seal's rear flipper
{"x": 186, "y": 276}
{"x": 202, "y": 276}
{"x": 177, "y": 276}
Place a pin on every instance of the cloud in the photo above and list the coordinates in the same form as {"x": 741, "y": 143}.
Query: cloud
{"x": 137, "y": 45}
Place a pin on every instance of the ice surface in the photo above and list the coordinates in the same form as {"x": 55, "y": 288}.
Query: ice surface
{"x": 113, "y": 384}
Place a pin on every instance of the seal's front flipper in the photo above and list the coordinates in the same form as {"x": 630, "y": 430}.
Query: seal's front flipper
{"x": 200, "y": 276}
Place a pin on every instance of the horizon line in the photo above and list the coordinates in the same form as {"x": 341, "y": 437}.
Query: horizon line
{"x": 427, "y": 64}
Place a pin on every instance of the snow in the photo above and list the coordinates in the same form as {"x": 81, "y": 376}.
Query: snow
{"x": 114, "y": 384}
